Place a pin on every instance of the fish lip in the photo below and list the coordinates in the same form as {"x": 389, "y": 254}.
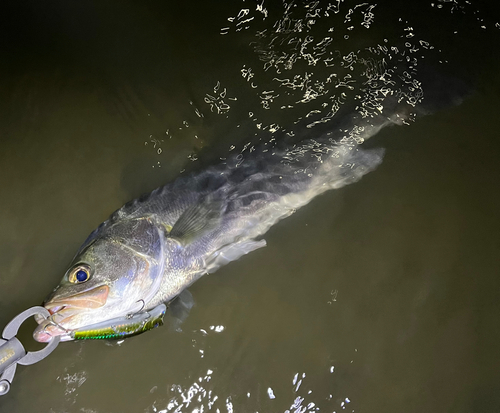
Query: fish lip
{"x": 63, "y": 309}
{"x": 53, "y": 310}
{"x": 93, "y": 298}
{"x": 48, "y": 329}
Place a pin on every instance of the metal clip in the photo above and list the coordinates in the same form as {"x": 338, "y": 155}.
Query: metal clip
{"x": 12, "y": 352}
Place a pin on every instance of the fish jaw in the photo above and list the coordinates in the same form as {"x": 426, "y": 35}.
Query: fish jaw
{"x": 64, "y": 312}
{"x": 94, "y": 298}
{"x": 47, "y": 330}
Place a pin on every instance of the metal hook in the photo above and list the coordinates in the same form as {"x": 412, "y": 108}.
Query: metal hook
{"x": 138, "y": 311}
{"x": 54, "y": 323}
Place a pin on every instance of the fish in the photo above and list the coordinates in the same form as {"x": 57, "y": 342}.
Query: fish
{"x": 148, "y": 252}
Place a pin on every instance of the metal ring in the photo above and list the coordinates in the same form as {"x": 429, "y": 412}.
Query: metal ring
{"x": 6, "y": 379}
{"x": 4, "y": 387}
{"x": 12, "y": 328}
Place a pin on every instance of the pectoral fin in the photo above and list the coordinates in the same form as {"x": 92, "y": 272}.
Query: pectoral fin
{"x": 232, "y": 253}
{"x": 197, "y": 220}
{"x": 178, "y": 309}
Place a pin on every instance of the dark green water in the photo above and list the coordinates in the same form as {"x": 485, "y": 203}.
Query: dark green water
{"x": 378, "y": 297}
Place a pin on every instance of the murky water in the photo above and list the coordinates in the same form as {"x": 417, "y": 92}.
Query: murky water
{"x": 377, "y": 297}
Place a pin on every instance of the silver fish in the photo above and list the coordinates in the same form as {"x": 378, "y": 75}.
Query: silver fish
{"x": 153, "y": 248}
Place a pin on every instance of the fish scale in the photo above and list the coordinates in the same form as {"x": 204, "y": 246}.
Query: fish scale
{"x": 153, "y": 248}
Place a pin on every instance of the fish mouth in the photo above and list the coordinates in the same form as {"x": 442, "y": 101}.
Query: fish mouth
{"x": 94, "y": 298}
{"x": 63, "y": 310}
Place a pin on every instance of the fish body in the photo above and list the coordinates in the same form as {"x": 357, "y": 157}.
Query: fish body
{"x": 154, "y": 247}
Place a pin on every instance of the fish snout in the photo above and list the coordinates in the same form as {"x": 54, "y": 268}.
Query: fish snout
{"x": 47, "y": 330}
{"x": 63, "y": 309}
{"x": 94, "y": 298}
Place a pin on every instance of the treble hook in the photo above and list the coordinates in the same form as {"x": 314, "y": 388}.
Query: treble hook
{"x": 53, "y": 323}
{"x": 137, "y": 312}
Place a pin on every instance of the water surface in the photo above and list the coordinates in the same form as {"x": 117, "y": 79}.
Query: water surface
{"x": 378, "y": 297}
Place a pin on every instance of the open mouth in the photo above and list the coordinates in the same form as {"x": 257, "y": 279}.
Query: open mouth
{"x": 63, "y": 311}
{"x": 53, "y": 310}
{"x": 50, "y": 327}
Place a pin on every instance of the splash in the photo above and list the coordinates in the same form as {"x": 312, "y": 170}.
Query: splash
{"x": 312, "y": 65}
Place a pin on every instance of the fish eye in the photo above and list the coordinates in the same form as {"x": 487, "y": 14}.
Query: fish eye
{"x": 79, "y": 274}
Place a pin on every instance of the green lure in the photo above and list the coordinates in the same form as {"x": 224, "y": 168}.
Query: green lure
{"x": 122, "y": 327}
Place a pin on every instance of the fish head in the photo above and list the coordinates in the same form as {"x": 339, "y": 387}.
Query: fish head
{"x": 114, "y": 275}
